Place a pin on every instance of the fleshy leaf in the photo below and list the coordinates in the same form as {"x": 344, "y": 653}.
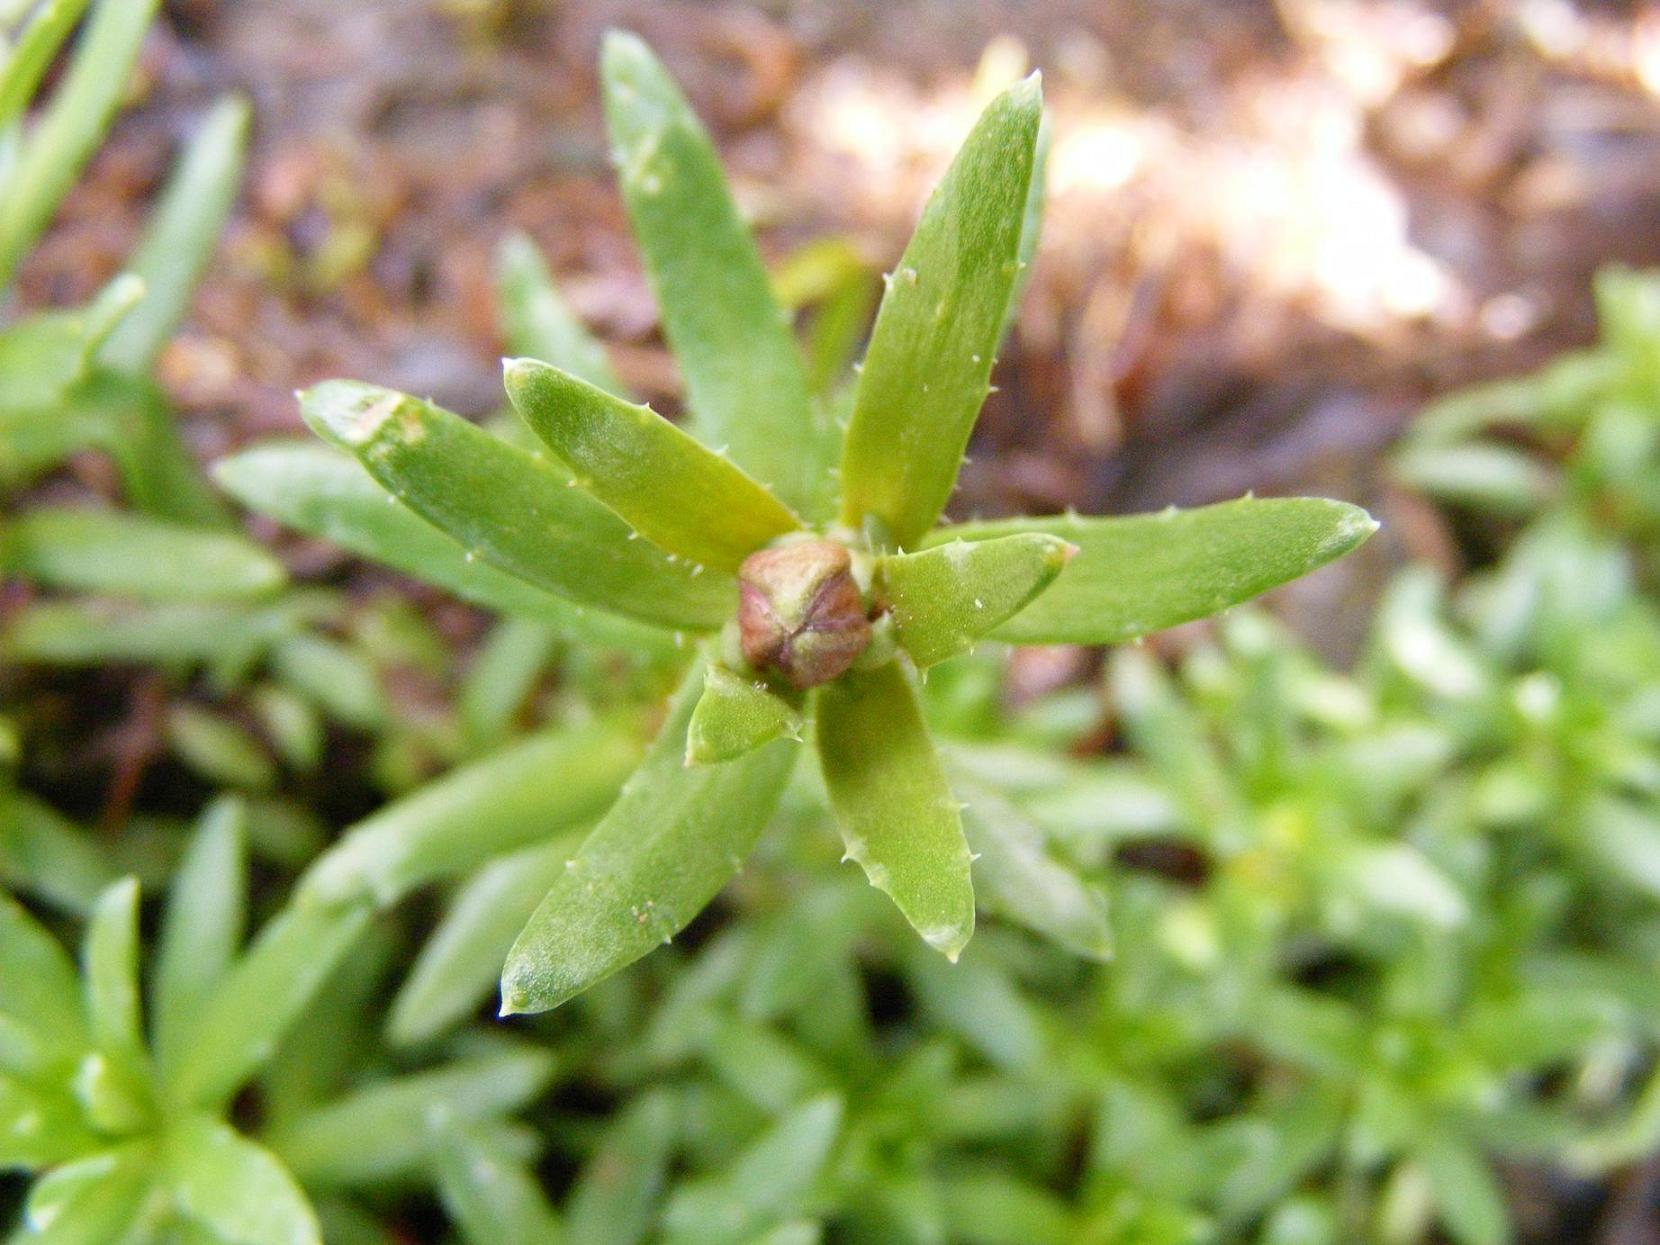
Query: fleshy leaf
{"x": 746, "y": 385}
{"x": 236, "y": 1188}
{"x": 127, "y": 554}
{"x": 736, "y": 715}
{"x": 945, "y": 599}
{"x": 936, "y": 336}
{"x": 537, "y": 322}
{"x": 511, "y": 508}
{"x": 49, "y": 856}
{"x": 206, "y": 912}
{"x": 663, "y": 483}
{"x": 521, "y": 794}
{"x": 674, "y": 837}
{"x": 1142, "y": 573}
{"x": 899, "y": 820}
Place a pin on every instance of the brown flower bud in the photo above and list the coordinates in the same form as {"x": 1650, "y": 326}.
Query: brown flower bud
{"x": 800, "y": 612}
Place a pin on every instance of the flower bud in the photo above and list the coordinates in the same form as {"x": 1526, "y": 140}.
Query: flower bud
{"x": 800, "y": 612}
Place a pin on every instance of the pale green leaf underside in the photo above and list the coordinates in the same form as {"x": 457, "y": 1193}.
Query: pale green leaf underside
{"x": 673, "y": 839}
{"x": 899, "y": 820}
{"x": 945, "y": 599}
{"x": 91, "y": 550}
{"x": 745, "y": 381}
{"x": 927, "y": 370}
{"x": 511, "y": 508}
{"x": 1141, "y": 573}
{"x": 324, "y": 493}
{"x": 736, "y": 715}
{"x": 680, "y": 496}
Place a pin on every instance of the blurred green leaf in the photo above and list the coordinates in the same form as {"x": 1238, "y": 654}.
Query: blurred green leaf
{"x": 106, "y": 551}
{"x": 490, "y": 1194}
{"x": 235, "y": 1188}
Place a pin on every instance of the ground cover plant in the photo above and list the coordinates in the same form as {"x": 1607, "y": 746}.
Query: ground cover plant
{"x": 1280, "y": 952}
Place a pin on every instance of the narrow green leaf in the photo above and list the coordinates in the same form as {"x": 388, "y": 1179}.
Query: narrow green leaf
{"x": 899, "y": 820}
{"x": 39, "y": 988}
{"x": 490, "y": 1194}
{"x": 736, "y": 715}
{"x": 94, "y": 633}
{"x": 219, "y": 749}
{"x": 340, "y": 680}
{"x": 539, "y": 324}
{"x": 110, "y": 964}
{"x": 771, "y": 1178}
{"x": 460, "y": 963}
{"x": 745, "y": 382}
{"x": 23, "y": 68}
{"x": 47, "y": 355}
{"x": 1143, "y": 573}
{"x": 239, "y": 1027}
{"x": 235, "y": 1188}
{"x": 107, "y": 551}
{"x": 617, "y": 1192}
{"x": 158, "y": 471}
{"x": 41, "y": 1127}
{"x": 61, "y": 142}
{"x": 202, "y": 929}
{"x": 43, "y": 853}
{"x": 1467, "y": 1194}
{"x": 511, "y": 508}
{"x": 927, "y": 369}
{"x": 674, "y": 837}
{"x": 523, "y": 793}
{"x": 181, "y": 235}
{"x": 389, "y": 1128}
{"x": 1016, "y": 877}
{"x": 945, "y": 599}
{"x": 324, "y": 493}
{"x": 674, "y": 492}
{"x": 505, "y": 671}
